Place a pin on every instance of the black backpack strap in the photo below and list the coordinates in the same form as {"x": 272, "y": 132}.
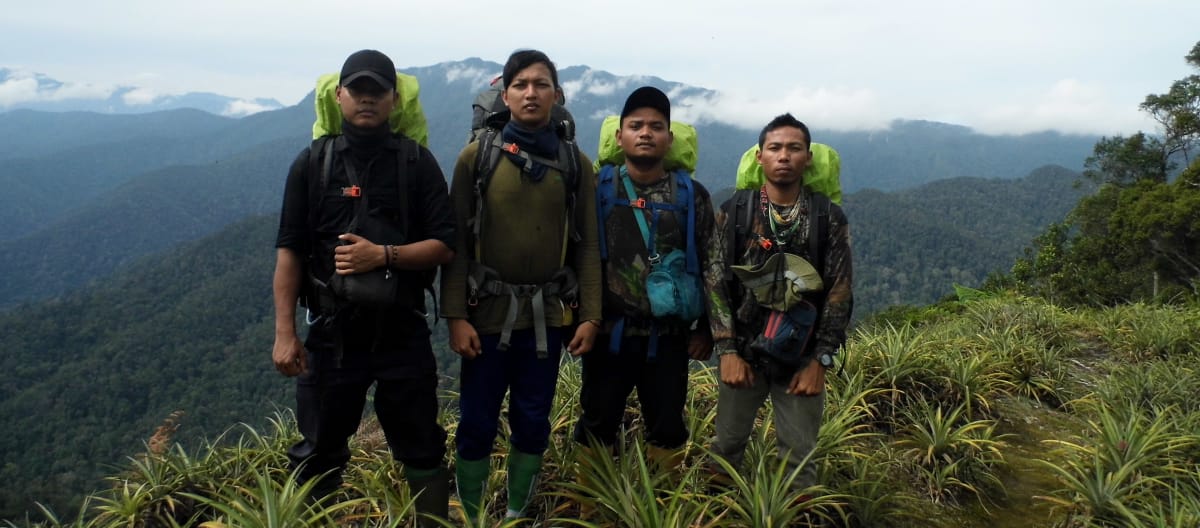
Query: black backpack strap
{"x": 818, "y": 230}
{"x": 320, "y": 159}
{"x": 739, "y": 221}
{"x": 408, "y": 154}
{"x": 487, "y": 158}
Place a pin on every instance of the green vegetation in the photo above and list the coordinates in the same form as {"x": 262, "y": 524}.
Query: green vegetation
{"x": 909, "y": 438}
{"x": 1138, "y": 237}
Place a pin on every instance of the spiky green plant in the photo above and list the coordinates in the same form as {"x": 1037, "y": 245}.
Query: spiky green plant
{"x": 951, "y": 454}
{"x": 274, "y": 500}
{"x": 1128, "y": 465}
{"x": 768, "y": 496}
{"x": 627, "y": 490}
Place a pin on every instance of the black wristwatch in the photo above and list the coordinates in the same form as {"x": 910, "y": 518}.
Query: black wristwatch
{"x": 825, "y": 359}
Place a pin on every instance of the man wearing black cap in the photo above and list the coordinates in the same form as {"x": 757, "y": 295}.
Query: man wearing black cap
{"x": 370, "y": 208}
{"x": 638, "y": 348}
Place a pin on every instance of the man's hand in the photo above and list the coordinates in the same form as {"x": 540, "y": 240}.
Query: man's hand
{"x": 700, "y": 345}
{"x": 736, "y": 372}
{"x": 356, "y": 255}
{"x": 585, "y": 337}
{"x": 289, "y": 355}
{"x": 808, "y": 381}
{"x": 464, "y": 341}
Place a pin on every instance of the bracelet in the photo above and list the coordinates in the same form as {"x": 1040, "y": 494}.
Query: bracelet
{"x": 596, "y": 322}
{"x": 387, "y": 256}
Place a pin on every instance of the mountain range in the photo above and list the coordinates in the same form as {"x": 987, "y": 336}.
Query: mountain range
{"x": 137, "y": 249}
{"x": 105, "y": 188}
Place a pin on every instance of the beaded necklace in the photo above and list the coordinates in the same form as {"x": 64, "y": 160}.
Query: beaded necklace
{"x": 786, "y": 217}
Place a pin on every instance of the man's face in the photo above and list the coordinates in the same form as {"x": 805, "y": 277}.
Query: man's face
{"x": 530, "y": 96}
{"x": 784, "y": 156}
{"x": 645, "y": 136}
{"x": 365, "y": 103}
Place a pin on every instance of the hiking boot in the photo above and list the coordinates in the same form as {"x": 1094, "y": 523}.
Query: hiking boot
{"x": 470, "y": 477}
{"x": 431, "y": 494}
{"x": 664, "y": 459}
{"x": 523, "y": 469}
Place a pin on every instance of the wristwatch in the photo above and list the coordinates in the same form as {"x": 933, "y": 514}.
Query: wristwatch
{"x": 825, "y": 359}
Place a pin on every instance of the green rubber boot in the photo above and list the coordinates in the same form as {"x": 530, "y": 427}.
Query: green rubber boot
{"x": 470, "y": 476}
{"x": 523, "y": 469}
{"x": 431, "y": 487}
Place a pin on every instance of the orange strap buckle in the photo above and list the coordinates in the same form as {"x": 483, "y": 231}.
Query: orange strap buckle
{"x": 352, "y": 191}
{"x": 512, "y": 148}
{"x": 765, "y": 243}
{"x": 640, "y": 203}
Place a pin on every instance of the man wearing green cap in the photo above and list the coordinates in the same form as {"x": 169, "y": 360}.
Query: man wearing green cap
{"x": 785, "y": 302}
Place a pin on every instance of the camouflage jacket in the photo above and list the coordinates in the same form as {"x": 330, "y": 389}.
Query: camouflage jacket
{"x": 628, "y": 264}
{"x": 735, "y": 317}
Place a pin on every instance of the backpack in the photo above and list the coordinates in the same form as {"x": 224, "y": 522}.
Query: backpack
{"x": 488, "y": 120}
{"x": 824, "y": 176}
{"x": 407, "y": 116}
{"x": 784, "y": 329}
{"x": 489, "y": 117}
{"x": 674, "y": 286}
{"x": 682, "y": 155}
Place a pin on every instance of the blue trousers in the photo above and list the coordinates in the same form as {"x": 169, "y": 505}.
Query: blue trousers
{"x": 529, "y": 382}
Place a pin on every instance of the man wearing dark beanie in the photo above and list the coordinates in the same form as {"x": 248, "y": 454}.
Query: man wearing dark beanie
{"x": 642, "y": 345}
{"x": 364, "y": 210}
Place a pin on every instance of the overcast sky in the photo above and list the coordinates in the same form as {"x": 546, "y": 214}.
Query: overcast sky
{"x": 996, "y": 66}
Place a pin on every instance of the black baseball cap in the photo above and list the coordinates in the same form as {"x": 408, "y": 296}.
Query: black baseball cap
{"x": 370, "y": 64}
{"x": 647, "y": 97}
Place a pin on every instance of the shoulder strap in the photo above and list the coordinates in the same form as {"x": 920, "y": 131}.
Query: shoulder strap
{"x": 406, "y": 155}
{"x": 684, "y": 197}
{"x": 568, "y": 151}
{"x": 320, "y": 160}
{"x": 606, "y": 195}
{"x": 818, "y": 230}
{"x": 738, "y": 222}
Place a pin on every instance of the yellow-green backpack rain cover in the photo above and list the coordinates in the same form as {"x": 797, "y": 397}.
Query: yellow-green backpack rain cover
{"x": 407, "y": 116}
{"x": 822, "y": 176}
{"x": 683, "y": 153}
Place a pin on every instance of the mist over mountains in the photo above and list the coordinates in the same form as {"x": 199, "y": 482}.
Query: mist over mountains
{"x": 20, "y": 89}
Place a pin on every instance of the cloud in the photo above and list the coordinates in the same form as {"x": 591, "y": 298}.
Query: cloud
{"x": 13, "y": 91}
{"x": 243, "y": 107}
{"x": 25, "y": 87}
{"x": 475, "y": 76}
{"x": 1069, "y": 105}
{"x": 139, "y": 96}
{"x": 824, "y": 108}
{"x": 596, "y": 83}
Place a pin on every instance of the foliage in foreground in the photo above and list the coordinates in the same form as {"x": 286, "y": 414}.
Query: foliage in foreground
{"x": 932, "y": 422}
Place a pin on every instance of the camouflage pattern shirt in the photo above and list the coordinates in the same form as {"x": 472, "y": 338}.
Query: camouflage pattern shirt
{"x": 736, "y": 318}
{"x": 628, "y": 263}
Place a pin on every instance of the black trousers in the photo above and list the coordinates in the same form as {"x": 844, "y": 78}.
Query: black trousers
{"x": 661, "y": 385}
{"x": 389, "y": 349}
